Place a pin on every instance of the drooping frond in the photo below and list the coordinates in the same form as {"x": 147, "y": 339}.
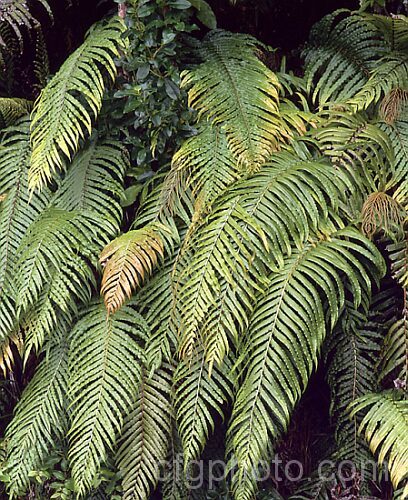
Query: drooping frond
{"x": 251, "y": 228}
{"x": 104, "y": 366}
{"x": 385, "y": 427}
{"x": 11, "y": 109}
{"x": 205, "y": 164}
{"x": 145, "y": 436}
{"x": 233, "y": 88}
{"x": 398, "y": 136}
{"x": 318, "y": 486}
{"x": 391, "y": 73}
{"x": 174, "y": 485}
{"x": 394, "y": 357}
{"x": 40, "y": 419}
{"x": 94, "y": 181}
{"x": 7, "y": 348}
{"x": 353, "y": 352}
{"x": 343, "y": 50}
{"x": 197, "y": 397}
{"x": 393, "y": 104}
{"x": 127, "y": 261}
{"x": 358, "y": 146}
{"x": 398, "y": 253}
{"x": 16, "y": 14}
{"x": 381, "y": 212}
{"x": 64, "y": 111}
{"x": 284, "y": 340}
{"x": 17, "y": 210}
{"x": 52, "y": 243}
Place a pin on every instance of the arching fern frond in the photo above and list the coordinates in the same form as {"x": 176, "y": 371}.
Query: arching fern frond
{"x": 11, "y": 109}
{"x": 343, "y": 50}
{"x": 233, "y": 88}
{"x": 40, "y": 419}
{"x": 145, "y": 436}
{"x": 16, "y": 14}
{"x": 197, "y": 397}
{"x": 385, "y": 427}
{"x": 64, "y": 111}
{"x": 127, "y": 261}
{"x": 94, "y": 181}
{"x": 205, "y": 164}
{"x": 52, "y": 243}
{"x": 250, "y": 230}
{"x": 284, "y": 340}
{"x": 104, "y": 366}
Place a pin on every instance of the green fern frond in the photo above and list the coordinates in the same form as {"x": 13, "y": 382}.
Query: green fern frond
{"x": 63, "y": 113}
{"x": 18, "y": 211}
{"x": 234, "y": 89}
{"x": 197, "y": 397}
{"x": 353, "y": 352}
{"x": 385, "y": 427}
{"x": 16, "y": 14}
{"x": 391, "y": 73}
{"x": 284, "y": 340}
{"x": 11, "y": 109}
{"x": 127, "y": 261}
{"x": 52, "y": 243}
{"x": 343, "y": 50}
{"x": 398, "y": 253}
{"x": 94, "y": 181}
{"x": 358, "y": 146}
{"x": 205, "y": 164}
{"x": 249, "y": 231}
{"x": 145, "y": 436}
{"x": 398, "y": 136}
{"x": 174, "y": 485}
{"x": 394, "y": 357}
{"x": 40, "y": 419}
{"x": 104, "y": 367}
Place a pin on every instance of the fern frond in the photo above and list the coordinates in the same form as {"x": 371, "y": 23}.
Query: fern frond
{"x": 233, "y": 88}
{"x": 398, "y": 253}
{"x": 11, "y": 109}
{"x": 284, "y": 340}
{"x": 343, "y": 50}
{"x": 358, "y": 146}
{"x": 40, "y": 418}
{"x": 385, "y": 427}
{"x": 353, "y": 352}
{"x": 127, "y": 261}
{"x": 394, "y": 357}
{"x": 398, "y": 136}
{"x": 250, "y": 230}
{"x": 104, "y": 366}
{"x": 381, "y": 212}
{"x": 52, "y": 243}
{"x": 197, "y": 397}
{"x": 393, "y": 104}
{"x": 94, "y": 181}
{"x": 64, "y": 111}
{"x": 16, "y": 14}
{"x": 6, "y": 350}
{"x": 205, "y": 164}
{"x": 145, "y": 435}
{"x": 18, "y": 211}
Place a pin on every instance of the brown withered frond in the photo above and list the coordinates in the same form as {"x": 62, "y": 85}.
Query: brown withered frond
{"x": 381, "y": 212}
{"x": 128, "y": 260}
{"x": 392, "y": 105}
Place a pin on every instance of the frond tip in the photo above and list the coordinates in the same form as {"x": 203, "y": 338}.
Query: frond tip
{"x": 128, "y": 260}
{"x": 385, "y": 427}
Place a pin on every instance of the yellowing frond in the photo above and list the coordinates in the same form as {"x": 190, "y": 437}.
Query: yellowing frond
{"x": 63, "y": 113}
{"x": 385, "y": 427}
{"x": 128, "y": 260}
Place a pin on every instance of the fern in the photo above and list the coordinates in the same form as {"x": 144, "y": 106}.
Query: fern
{"x": 234, "y": 89}
{"x": 283, "y": 343}
{"x": 40, "y": 418}
{"x": 63, "y": 113}
{"x": 16, "y": 14}
{"x": 385, "y": 427}
{"x": 12, "y": 109}
{"x": 101, "y": 391}
{"x": 145, "y": 435}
